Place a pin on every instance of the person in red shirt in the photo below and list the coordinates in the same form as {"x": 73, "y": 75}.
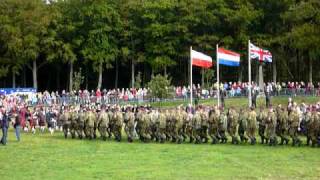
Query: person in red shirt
{"x": 98, "y": 96}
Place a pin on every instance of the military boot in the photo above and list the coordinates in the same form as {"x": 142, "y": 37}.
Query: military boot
{"x": 287, "y": 141}
{"x": 308, "y": 141}
{"x": 275, "y": 141}
{"x": 214, "y": 141}
{"x": 206, "y": 139}
{"x": 191, "y": 139}
{"x": 299, "y": 142}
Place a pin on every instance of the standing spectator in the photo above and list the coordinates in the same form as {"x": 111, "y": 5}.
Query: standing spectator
{"x": 17, "y": 124}
{"x": 5, "y": 125}
{"x": 98, "y": 95}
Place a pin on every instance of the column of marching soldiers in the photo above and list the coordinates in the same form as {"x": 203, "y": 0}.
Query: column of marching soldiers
{"x": 200, "y": 125}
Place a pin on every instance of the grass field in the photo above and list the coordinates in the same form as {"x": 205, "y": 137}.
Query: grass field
{"x": 45, "y": 156}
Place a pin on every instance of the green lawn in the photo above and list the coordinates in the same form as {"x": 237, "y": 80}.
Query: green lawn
{"x": 43, "y": 156}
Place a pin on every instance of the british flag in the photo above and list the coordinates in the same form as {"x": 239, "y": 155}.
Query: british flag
{"x": 260, "y": 54}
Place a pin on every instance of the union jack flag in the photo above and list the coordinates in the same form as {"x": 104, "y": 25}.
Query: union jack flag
{"x": 261, "y": 54}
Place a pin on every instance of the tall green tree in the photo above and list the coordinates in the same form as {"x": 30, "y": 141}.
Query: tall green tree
{"x": 304, "y": 20}
{"x": 101, "y": 24}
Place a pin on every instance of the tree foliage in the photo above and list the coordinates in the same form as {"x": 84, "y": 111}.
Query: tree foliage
{"x": 159, "y": 86}
{"x": 154, "y": 36}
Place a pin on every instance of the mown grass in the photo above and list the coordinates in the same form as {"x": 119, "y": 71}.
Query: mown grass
{"x": 45, "y": 156}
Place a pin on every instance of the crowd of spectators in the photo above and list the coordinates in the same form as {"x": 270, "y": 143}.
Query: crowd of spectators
{"x": 231, "y": 89}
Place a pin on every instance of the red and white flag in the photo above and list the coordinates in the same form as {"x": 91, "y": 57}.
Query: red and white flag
{"x": 200, "y": 59}
{"x": 261, "y": 54}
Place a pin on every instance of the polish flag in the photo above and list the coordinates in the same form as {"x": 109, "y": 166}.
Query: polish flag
{"x": 200, "y": 59}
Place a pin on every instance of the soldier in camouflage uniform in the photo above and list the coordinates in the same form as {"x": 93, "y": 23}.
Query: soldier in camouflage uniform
{"x": 95, "y": 127}
{"x": 117, "y": 124}
{"x": 204, "y": 126}
{"x": 243, "y": 116}
{"x": 168, "y": 126}
{"x": 252, "y": 126}
{"x": 154, "y": 115}
{"x": 197, "y": 126}
{"x": 313, "y": 128}
{"x": 65, "y": 119}
{"x": 232, "y": 125}
{"x": 89, "y": 123}
{"x": 129, "y": 120}
{"x": 110, "y": 112}
{"x": 179, "y": 126}
{"x": 213, "y": 122}
{"x": 282, "y": 125}
{"x": 161, "y": 127}
{"x": 139, "y": 115}
{"x": 294, "y": 125}
{"x": 262, "y": 124}
{"x": 145, "y": 127}
{"x": 185, "y": 120}
{"x": 81, "y": 124}
{"x": 73, "y": 125}
{"x": 222, "y": 127}
{"x": 271, "y": 124}
{"x": 189, "y": 126}
{"x": 103, "y": 123}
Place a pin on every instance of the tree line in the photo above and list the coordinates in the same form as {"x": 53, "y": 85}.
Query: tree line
{"x": 117, "y": 40}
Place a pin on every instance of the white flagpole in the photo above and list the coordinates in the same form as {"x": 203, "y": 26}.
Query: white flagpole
{"x": 249, "y": 73}
{"x": 218, "y": 78}
{"x": 191, "y": 89}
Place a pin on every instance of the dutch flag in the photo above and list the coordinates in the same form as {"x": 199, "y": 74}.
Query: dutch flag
{"x": 228, "y": 58}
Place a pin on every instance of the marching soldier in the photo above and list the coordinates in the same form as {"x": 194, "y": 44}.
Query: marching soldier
{"x": 103, "y": 124}
{"x": 213, "y": 121}
{"x": 252, "y": 126}
{"x": 222, "y": 127}
{"x": 262, "y": 125}
{"x": 271, "y": 123}
{"x": 129, "y": 120}
{"x": 243, "y": 116}
{"x": 232, "y": 125}
{"x": 294, "y": 121}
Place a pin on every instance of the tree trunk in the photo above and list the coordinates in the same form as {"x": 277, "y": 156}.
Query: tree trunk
{"x": 58, "y": 78}
{"x": 240, "y": 74}
{"x": 132, "y": 73}
{"x": 274, "y": 70}
{"x": 261, "y": 86}
{"x": 202, "y": 77}
{"x": 165, "y": 70}
{"x": 13, "y": 80}
{"x": 117, "y": 75}
{"x": 100, "y": 76}
{"x": 24, "y": 77}
{"x": 86, "y": 77}
{"x": 310, "y": 69}
{"x": 34, "y": 74}
{"x": 70, "y": 76}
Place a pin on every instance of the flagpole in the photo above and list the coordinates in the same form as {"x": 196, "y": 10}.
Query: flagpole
{"x": 249, "y": 73}
{"x": 218, "y": 78}
{"x": 191, "y": 89}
